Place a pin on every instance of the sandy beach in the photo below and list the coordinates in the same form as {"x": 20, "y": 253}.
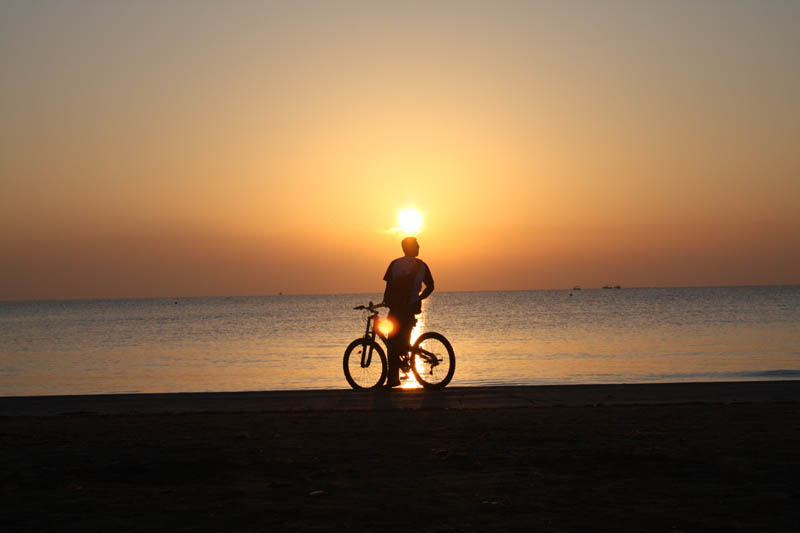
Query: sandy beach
{"x": 666, "y": 457}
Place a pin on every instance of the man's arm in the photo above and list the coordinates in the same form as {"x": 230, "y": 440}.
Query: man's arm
{"x": 427, "y": 292}
{"x": 428, "y": 281}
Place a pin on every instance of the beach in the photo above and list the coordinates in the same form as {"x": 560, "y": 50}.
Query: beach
{"x": 663, "y": 457}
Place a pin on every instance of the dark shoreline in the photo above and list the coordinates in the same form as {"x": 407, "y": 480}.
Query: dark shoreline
{"x": 449, "y": 398}
{"x": 665, "y": 457}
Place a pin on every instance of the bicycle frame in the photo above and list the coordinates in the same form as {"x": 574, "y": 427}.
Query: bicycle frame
{"x": 370, "y": 332}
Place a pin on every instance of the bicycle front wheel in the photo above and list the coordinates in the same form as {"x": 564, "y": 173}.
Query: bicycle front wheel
{"x": 434, "y": 362}
{"x": 364, "y": 364}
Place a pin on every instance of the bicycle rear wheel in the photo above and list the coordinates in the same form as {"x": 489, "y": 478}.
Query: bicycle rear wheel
{"x": 362, "y": 370}
{"x": 433, "y": 362}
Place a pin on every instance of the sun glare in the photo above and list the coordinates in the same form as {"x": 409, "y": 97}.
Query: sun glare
{"x": 409, "y": 221}
{"x": 385, "y": 326}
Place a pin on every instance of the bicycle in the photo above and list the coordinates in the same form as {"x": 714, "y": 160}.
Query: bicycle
{"x": 431, "y": 358}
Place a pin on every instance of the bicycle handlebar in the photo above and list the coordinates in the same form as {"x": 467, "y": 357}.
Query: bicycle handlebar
{"x": 371, "y": 307}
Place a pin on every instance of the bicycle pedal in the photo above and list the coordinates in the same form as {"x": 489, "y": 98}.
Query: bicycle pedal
{"x": 404, "y": 377}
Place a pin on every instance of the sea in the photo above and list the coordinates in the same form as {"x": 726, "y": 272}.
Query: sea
{"x": 296, "y": 342}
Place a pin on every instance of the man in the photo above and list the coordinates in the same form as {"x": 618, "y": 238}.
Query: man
{"x": 404, "y": 279}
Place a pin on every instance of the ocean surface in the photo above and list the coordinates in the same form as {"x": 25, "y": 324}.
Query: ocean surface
{"x": 285, "y": 342}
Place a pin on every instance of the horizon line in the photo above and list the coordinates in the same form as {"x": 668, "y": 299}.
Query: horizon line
{"x": 280, "y": 293}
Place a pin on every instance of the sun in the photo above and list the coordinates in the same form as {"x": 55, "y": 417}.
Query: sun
{"x": 409, "y": 221}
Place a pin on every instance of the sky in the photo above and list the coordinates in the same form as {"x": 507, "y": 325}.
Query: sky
{"x": 192, "y": 148}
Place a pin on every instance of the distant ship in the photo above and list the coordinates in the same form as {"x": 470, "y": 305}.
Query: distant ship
{"x": 576, "y": 288}
{"x": 611, "y": 287}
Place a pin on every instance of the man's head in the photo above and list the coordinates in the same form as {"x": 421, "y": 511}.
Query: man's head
{"x": 410, "y": 247}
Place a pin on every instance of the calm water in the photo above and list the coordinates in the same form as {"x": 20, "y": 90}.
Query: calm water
{"x": 500, "y": 338}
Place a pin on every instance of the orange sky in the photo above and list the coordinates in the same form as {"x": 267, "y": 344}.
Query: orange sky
{"x": 206, "y": 149}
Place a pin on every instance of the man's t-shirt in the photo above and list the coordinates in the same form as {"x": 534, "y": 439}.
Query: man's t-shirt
{"x": 405, "y": 276}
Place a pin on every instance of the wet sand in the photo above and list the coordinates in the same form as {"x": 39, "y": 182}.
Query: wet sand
{"x": 667, "y": 457}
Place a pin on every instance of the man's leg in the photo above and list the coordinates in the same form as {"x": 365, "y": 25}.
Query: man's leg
{"x": 407, "y": 323}
{"x": 395, "y": 346}
{"x": 398, "y": 344}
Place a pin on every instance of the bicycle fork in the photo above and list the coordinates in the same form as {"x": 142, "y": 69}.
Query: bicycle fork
{"x": 366, "y": 356}
{"x": 369, "y": 343}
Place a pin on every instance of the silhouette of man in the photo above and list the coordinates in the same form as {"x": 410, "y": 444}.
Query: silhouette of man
{"x": 404, "y": 279}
